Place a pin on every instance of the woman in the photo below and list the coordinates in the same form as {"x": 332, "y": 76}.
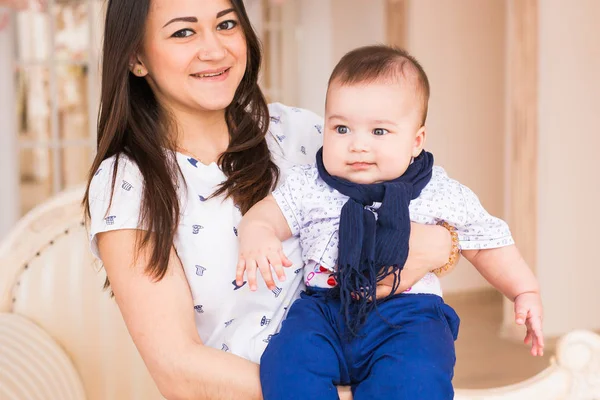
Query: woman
{"x": 186, "y": 144}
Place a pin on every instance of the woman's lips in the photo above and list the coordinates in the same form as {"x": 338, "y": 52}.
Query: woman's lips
{"x": 213, "y": 76}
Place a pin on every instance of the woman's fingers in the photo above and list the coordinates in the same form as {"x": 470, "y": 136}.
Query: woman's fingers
{"x": 382, "y": 290}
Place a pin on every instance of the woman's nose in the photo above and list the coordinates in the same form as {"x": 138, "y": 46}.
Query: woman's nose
{"x": 211, "y": 48}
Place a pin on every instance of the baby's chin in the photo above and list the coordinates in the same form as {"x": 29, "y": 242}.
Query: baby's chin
{"x": 359, "y": 178}
{"x": 362, "y": 178}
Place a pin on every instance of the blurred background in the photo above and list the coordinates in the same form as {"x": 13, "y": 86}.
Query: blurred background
{"x": 514, "y": 114}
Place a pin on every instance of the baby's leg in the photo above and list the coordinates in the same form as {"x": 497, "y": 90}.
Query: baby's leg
{"x": 415, "y": 360}
{"x": 305, "y": 359}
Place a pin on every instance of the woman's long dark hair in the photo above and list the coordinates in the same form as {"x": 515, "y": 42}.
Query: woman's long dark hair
{"x": 132, "y": 123}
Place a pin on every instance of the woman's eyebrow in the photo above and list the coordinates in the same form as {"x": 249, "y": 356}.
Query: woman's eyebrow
{"x": 182, "y": 19}
{"x": 194, "y": 19}
{"x": 225, "y": 12}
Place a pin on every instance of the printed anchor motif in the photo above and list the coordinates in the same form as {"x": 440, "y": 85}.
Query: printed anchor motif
{"x": 127, "y": 186}
{"x": 200, "y": 270}
{"x": 236, "y": 285}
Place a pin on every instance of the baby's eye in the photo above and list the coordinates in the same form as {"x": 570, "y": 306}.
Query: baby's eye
{"x": 341, "y": 129}
{"x": 380, "y": 131}
{"x": 227, "y": 25}
{"x": 183, "y": 33}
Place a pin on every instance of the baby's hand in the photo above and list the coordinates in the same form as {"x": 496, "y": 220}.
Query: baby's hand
{"x": 528, "y": 311}
{"x": 261, "y": 250}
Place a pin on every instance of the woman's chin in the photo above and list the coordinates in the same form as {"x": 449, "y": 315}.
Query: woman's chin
{"x": 215, "y": 104}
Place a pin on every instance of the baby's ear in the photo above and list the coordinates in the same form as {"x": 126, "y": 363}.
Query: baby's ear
{"x": 419, "y": 141}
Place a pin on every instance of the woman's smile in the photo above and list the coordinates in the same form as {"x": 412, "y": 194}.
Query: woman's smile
{"x": 213, "y": 75}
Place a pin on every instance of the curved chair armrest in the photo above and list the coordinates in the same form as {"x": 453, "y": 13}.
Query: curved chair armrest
{"x": 32, "y": 365}
{"x": 574, "y": 374}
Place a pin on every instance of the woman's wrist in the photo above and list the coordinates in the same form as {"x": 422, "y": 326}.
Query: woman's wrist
{"x": 454, "y": 253}
{"x": 429, "y": 246}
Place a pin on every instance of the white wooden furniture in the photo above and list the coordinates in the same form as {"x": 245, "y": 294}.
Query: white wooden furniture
{"x": 63, "y": 338}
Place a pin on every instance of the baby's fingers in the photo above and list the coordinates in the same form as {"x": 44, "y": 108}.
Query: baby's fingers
{"x": 239, "y": 272}
{"x": 286, "y": 261}
{"x": 276, "y": 262}
{"x": 265, "y": 270}
{"x": 537, "y": 349}
{"x": 534, "y": 331}
{"x": 251, "y": 273}
{"x": 528, "y": 337}
{"x": 520, "y": 315}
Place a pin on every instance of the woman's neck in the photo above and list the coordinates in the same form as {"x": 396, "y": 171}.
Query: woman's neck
{"x": 202, "y": 134}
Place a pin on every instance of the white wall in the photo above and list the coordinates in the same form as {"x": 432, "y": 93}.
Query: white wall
{"x": 329, "y": 29}
{"x": 315, "y": 53}
{"x": 356, "y": 23}
{"x": 461, "y": 45}
{"x": 9, "y": 173}
{"x": 569, "y": 164}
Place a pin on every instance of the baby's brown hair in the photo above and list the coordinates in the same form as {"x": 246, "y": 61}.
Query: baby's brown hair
{"x": 373, "y": 63}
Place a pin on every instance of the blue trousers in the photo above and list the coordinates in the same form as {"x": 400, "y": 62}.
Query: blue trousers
{"x": 410, "y": 357}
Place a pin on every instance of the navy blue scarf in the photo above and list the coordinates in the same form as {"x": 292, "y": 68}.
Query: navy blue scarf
{"x": 371, "y": 248}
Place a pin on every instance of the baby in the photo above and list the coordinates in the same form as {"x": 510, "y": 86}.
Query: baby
{"x": 352, "y": 212}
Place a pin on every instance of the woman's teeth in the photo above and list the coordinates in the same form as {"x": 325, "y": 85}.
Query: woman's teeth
{"x": 209, "y": 75}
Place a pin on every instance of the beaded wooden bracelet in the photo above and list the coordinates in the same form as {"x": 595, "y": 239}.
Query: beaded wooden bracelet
{"x": 455, "y": 249}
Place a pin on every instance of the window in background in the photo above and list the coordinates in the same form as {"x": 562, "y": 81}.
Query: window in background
{"x": 277, "y": 26}
{"x": 57, "y": 75}
{"x": 57, "y": 96}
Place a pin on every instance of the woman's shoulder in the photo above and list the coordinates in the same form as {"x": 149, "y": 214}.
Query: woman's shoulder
{"x": 128, "y": 176}
{"x": 295, "y": 134}
{"x": 288, "y": 118}
{"x": 124, "y": 165}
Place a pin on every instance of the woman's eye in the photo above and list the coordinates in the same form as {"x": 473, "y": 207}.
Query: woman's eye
{"x": 183, "y": 33}
{"x": 379, "y": 131}
{"x": 227, "y": 25}
{"x": 342, "y": 129}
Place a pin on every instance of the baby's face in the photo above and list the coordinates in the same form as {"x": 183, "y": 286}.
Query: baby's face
{"x": 372, "y": 130}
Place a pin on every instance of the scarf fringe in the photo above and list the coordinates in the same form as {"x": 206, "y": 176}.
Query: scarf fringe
{"x": 358, "y": 295}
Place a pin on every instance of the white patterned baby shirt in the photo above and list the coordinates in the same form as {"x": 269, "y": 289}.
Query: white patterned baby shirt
{"x": 312, "y": 210}
{"x": 228, "y": 317}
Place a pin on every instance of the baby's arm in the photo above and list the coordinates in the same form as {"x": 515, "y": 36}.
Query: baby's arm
{"x": 261, "y": 232}
{"x": 505, "y": 269}
{"x": 508, "y": 272}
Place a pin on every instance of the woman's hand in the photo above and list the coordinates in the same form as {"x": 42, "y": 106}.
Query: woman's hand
{"x": 429, "y": 248}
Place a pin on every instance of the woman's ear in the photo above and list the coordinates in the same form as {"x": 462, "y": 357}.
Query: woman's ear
{"x": 419, "y": 141}
{"x": 137, "y": 67}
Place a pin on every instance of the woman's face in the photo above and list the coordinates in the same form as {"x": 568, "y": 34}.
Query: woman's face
{"x": 193, "y": 54}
